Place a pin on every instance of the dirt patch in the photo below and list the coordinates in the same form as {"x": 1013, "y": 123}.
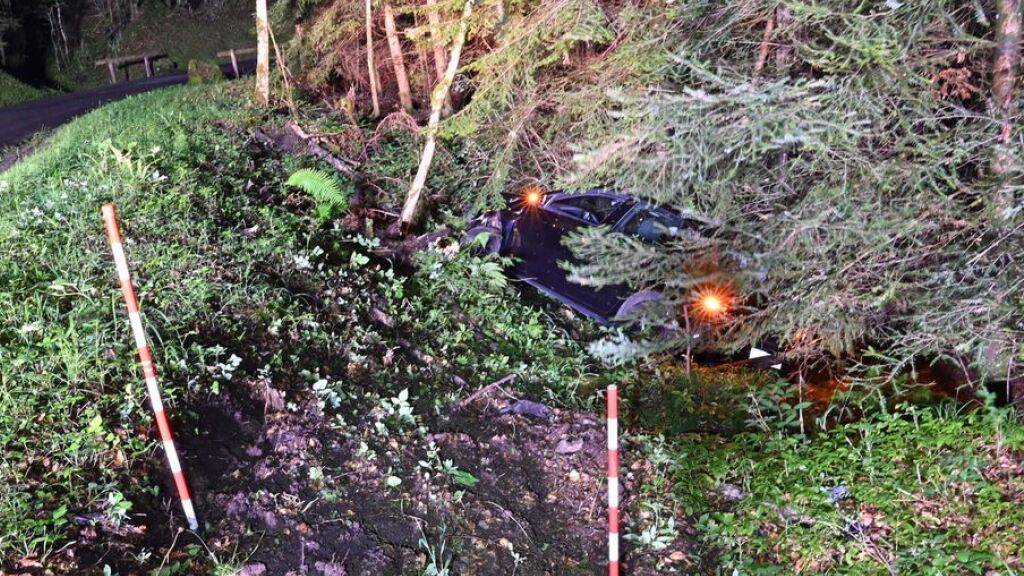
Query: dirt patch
{"x": 281, "y": 488}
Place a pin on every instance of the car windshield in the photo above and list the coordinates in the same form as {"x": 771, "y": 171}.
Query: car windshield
{"x": 652, "y": 225}
{"x": 597, "y": 206}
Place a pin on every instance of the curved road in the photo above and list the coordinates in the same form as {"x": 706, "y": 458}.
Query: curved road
{"x": 21, "y": 121}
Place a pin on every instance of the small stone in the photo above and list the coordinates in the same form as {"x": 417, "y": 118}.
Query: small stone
{"x": 255, "y": 569}
{"x": 330, "y": 569}
{"x": 732, "y": 492}
{"x": 568, "y": 446}
{"x": 574, "y": 476}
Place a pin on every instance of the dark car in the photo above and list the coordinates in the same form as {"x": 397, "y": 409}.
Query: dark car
{"x": 533, "y": 234}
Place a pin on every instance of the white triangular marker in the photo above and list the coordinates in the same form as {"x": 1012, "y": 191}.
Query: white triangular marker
{"x": 776, "y": 366}
{"x": 757, "y": 353}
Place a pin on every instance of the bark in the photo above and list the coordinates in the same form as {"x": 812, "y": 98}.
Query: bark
{"x": 762, "y": 56}
{"x": 262, "y": 53}
{"x": 437, "y": 99}
{"x": 1005, "y": 70}
{"x": 397, "y": 59}
{"x": 439, "y": 52}
{"x": 784, "y": 52}
{"x": 371, "y": 68}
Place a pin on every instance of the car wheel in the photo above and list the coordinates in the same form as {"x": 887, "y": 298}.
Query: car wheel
{"x": 491, "y": 246}
{"x": 635, "y": 304}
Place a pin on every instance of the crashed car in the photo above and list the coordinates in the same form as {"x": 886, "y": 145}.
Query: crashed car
{"x": 532, "y": 230}
{"x": 532, "y": 233}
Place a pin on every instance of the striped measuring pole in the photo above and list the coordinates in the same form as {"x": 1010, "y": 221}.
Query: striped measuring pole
{"x": 146, "y": 359}
{"x": 612, "y": 398}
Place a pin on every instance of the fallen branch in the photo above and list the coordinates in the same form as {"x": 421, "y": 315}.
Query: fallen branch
{"x": 346, "y": 167}
{"x": 762, "y": 56}
{"x": 496, "y": 385}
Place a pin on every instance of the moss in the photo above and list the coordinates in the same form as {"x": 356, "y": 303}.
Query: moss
{"x": 204, "y": 72}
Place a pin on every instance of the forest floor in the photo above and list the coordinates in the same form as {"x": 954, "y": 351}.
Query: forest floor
{"x": 322, "y": 387}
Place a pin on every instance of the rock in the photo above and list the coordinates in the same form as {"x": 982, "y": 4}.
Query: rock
{"x": 255, "y": 569}
{"x": 569, "y": 446}
{"x": 837, "y": 493}
{"x": 330, "y": 569}
{"x": 732, "y": 492}
{"x": 574, "y": 476}
{"x": 527, "y": 408}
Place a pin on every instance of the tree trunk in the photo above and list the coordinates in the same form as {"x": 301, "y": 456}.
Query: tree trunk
{"x": 371, "y": 68}
{"x": 784, "y": 52}
{"x": 436, "y": 104}
{"x": 439, "y": 56}
{"x": 395, "y": 46}
{"x": 1004, "y": 79}
{"x": 262, "y": 53}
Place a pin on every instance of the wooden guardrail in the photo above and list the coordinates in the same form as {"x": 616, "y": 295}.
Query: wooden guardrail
{"x": 145, "y": 59}
{"x": 233, "y": 55}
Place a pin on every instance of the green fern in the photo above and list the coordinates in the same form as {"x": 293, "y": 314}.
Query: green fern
{"x": 327, "y": 193}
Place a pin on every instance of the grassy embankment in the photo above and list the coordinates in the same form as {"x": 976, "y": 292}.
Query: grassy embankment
{"x": 13, "y": 91}
{"x": 233, "y": 280}
{"x": 225, "y": 257}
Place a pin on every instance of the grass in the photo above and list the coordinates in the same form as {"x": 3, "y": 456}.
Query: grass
{"x": 13, "y": 91}
{"x": 914, "y": 490}
{"x": 223, "y": 268}
{"x": 229, "y": 263}
{"x": 72, "y": 412}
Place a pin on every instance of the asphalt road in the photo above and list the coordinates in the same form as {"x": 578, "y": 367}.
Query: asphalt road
{"x": 21, "y": 121}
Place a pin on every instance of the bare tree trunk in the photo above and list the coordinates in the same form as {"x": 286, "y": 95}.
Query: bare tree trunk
{"x": 262, "y": 53}
{"x": 1005, "y": 70}
{"x": 371, "y": 67}
{"x": 436, "y": 104}
{"x": 439, "y": 56}
{"x": 397, "y": 60}
{"x": 784, "y": 53}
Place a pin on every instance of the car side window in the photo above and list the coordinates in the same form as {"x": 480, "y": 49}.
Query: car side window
{"x": 598, "y": 207}
{"x": 652, "y": 226}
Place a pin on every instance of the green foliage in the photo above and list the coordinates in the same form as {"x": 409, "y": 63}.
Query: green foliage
{"x": 73, "y": 414}
{"x": 12, "y": 91}
{"x": 325, "y": 189}
{"x": 847, "y": 192}
{"x": 204, "y": 72}
{"x": 475, "y": 324}
{"x": 928, "y": 493}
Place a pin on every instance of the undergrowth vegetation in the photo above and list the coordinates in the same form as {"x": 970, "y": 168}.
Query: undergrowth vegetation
{"x": 13, "y": 91}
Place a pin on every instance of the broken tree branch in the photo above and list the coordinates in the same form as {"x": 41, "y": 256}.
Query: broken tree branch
{"x": 437, "y": 100}
{"x": 762, "y": 56}
{"x": 346, "y": 167}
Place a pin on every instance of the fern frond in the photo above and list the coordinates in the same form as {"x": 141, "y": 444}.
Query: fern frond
{"x": 327, "y": 193}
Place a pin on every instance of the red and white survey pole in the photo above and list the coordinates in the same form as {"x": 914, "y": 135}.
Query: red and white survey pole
{"x": 612, "y": 398}
{"x": 146, "y": 359}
